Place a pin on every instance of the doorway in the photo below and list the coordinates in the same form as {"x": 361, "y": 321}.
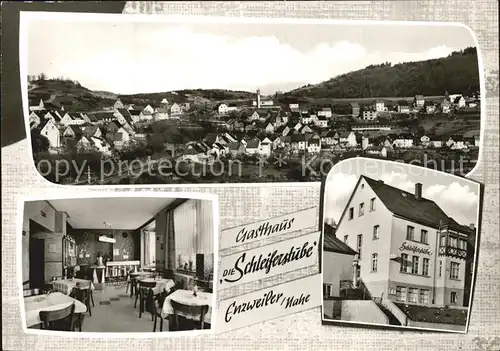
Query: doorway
{"x": 37, "y": 263}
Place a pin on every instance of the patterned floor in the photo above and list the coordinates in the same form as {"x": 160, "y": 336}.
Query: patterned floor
{"x": 114, "y": 313}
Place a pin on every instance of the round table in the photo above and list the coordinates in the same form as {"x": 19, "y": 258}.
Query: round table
{"x": 186, "y": 297}
{"x": 134, "y": 276}
{"x": 48, "y": 302}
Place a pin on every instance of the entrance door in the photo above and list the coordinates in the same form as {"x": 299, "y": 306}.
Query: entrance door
{"x": 37, "y": 263}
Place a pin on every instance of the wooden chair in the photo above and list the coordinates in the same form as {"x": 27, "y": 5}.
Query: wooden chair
{"x": 59, "y": 319}
{"x": 158, "y": 307}
{"x": 146, "y": 297}
{"x": 83, "y": 293}
{"x": 47, "y": 288}
{"x": 190, "y": 310}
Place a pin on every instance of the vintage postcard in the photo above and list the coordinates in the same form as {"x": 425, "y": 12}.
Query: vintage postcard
{"x": 399, "y": 246}
{"x": 142, "y": 264}
{"x": 210, "y": 100}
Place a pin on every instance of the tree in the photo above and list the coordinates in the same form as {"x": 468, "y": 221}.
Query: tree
{"x": 42, "y": 77}
{"x": 39, "y": 143}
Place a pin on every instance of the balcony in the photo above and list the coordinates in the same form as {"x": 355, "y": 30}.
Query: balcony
{"x": 452, "y": 252}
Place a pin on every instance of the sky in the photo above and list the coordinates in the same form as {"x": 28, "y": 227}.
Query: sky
{"x": 457, "y": 197}
{"x": 126, "y": 57}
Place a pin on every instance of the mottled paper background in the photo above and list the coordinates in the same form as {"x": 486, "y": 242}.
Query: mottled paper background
{"x": 241, "y": 205}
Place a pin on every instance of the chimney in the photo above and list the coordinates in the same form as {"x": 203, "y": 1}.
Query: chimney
{"x": 418, "y": 191}
{"x": 258, "y": 98}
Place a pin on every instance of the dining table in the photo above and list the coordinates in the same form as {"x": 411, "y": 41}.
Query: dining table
{"x": 187, "y": 297}
{"x": 136, "y": 276}
{"x": 65, "y": 286}
{"x": 162, "y": 285}
{"x": 33, "y": 305}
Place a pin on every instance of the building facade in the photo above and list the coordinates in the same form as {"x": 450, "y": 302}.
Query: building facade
{"x": 409, "y": 250}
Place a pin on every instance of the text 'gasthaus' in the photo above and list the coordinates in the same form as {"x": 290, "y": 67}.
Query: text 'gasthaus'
{"x": 265, "y": 229}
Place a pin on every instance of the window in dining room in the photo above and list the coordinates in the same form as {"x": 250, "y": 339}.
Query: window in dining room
{"x": 193, "y": 226}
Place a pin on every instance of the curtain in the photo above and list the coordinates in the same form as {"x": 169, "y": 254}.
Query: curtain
{"x": 194, "y": 232}
{"x": 145, "y": 246}
{"x": 152, "y": 247}
{"x": 185, "y": 228}
{"x": 170, "y": 251}
{"x": 205, "y": 227}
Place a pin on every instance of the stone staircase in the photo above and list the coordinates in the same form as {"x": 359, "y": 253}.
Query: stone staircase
{"x": 392, "y": 318}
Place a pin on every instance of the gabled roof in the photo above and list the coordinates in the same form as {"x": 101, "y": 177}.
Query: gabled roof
{"x": 43, "y": 123}
{"x": 332, "y": 244}
{"x": 90, "y": 129}
{"x": 253, "y": 143}
{"x": 197, "y": 147}
{"x": 404, "y": 204}
{"x": 76, "y": 129}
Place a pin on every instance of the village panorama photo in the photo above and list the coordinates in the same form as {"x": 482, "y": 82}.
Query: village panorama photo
{"x": 399, "y": 246}
{"x": 207, "y": 100}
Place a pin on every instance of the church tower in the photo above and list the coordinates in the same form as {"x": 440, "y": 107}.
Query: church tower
{"x": 258, "y": 98}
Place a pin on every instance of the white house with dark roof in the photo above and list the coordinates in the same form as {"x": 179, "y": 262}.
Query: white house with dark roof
{"x": 314, "y": 145}
{"x": 403, "y": 141}
{"x": 34, "y": 120}
{"x": 253, "y": 146}
{"x": 369, "y": 115}
{"x": 175, "y": 109}
{"x": 266, "y": 147}
{"x": 325, "y": 112}
{"x": 338, "y": 267}
{"x": 419, "y": 101}
{"x": 48, "y": 129}
{"x": 459, "y": 101}
{"x": 72, "y": 131}
{"x": 36, "y": 105}
{"x": 135, "y": 115}
{"x": 118, "y": 104}
{"x": 322, "y": 122}
{"x": 379, "y": 105}
{"x": 409, "y": 251}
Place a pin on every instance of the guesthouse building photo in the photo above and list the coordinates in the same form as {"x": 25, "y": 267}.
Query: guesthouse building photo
{"x": 118, "y": 264}
{"x": 399, "y": 258}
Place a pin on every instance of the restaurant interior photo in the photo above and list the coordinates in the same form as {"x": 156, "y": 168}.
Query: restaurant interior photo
{"x": 118, "y": 264}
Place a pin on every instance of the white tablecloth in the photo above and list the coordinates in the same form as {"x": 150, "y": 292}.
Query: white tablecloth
{"x": 66, "y": 285}
{"x": 55, "y": 301}
{"x": 137, "y": 275}
{"x": 161, "y": 284}
{"x": 186, "y": 297}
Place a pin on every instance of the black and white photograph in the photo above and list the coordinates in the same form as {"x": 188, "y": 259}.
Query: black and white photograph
{"x": 118, "y": 264}
{"x": 399, "y": 246}
{"x": 135, "y": 100}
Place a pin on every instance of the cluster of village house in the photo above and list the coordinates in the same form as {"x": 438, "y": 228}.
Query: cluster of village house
{"x": 289, "y": 129}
